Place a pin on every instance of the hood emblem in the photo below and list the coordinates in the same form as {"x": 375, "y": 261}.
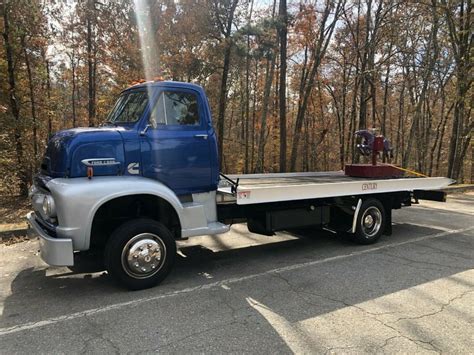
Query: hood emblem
{"x": 133, "y": 168}
{"x": 99, "y": 162}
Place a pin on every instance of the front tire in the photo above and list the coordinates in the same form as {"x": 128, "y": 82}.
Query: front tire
{"x": 370, "y": 222}
{"x": 140, "y": 253}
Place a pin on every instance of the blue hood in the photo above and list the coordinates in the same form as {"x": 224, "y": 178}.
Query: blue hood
{"x": 66, "y": 150}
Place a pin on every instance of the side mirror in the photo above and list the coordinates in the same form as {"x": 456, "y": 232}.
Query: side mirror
{"x": 143, "y": 132}
{"x": 152, "y": 124}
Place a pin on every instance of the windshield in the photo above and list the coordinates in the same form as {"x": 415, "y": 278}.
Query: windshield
{"x": 129, "y": 107}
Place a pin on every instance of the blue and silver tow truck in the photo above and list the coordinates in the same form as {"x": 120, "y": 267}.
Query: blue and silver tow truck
{"x": 150, "y": 176}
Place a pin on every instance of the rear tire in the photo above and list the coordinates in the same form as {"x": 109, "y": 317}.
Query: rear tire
{"x": 140, "y": 253}
{"x": 370, "y": 222}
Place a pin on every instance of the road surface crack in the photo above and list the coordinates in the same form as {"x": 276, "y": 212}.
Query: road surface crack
{"x": 441, "y": 309}
{"x": 427, "y": 345}
{"x": 97, "y": 333}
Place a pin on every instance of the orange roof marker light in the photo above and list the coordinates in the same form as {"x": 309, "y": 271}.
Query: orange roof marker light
{"x": 137, "y": 82}
{"x": 141, "y": 81}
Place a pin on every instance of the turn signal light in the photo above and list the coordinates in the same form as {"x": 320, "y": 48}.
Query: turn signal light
{"x": 90, "y": 172}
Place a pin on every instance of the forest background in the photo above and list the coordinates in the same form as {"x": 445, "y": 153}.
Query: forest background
{"x": 288, "y": 81}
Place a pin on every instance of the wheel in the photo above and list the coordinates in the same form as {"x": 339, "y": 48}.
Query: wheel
{"x": 140, "y": 254}
{"x": 370, "y": 222}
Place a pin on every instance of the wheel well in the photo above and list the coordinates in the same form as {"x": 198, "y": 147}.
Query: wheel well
{"x": 115, "y": 212}
{"x": 342, "y": 211}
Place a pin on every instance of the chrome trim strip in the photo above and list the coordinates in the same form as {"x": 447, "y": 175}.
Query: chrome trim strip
{"x": 99, "y": 162}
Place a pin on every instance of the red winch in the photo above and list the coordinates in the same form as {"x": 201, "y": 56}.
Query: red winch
{"x": 373, "y": 145}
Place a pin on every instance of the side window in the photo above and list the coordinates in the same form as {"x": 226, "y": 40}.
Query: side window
{"x": 176, "y": 108}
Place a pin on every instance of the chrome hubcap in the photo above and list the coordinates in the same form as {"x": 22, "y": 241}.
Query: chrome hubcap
{"x": 371, "y": 221}
{"x": 143, "y": 255}
{"x": 368, "y": 221}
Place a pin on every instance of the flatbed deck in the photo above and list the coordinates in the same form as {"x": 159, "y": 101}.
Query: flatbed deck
{"x": 277, "y": 187}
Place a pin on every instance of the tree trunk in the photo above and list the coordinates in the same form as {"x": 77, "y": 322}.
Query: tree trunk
{"x": 224, "y": 78}
{"x": 222, "y": 102}
{"x": 324, "y": 38}
{"x": 48, "y": 90}
{"x": 428, "y": 66}
{"x": 14, "y": 106}
{"x": 263, "y": 122}
{"x": 441, "y": 138}
{"x": 438, "y": 131}
{"x": 385, "y": 94}
{"x": 472, "y": 164}
{"x": 282, "y": 33}
{"x": 73, "y": 94}
{"x": 364, "y": 81}
{"x": 254, "y": 116}
{"x": 247, "y": 90}
{"x": 350, "y": 148}
{"x": 461, "y": 42}
{"x": 32, "y": 100}
{"x": 260, "y": 164}
{"x": 90, "y": 61}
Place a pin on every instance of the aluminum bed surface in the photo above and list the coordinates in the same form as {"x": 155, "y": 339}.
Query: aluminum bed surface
{"x": 263, "y": 188}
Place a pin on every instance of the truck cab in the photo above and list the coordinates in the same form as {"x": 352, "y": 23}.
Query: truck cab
{"x": 159, "y": 130}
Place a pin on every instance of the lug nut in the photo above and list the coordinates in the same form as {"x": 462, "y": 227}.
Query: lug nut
{"x": 153, "y": 266}
{"x": 136, "y": 265}
{"x": 149, "y": 245}
{"x": 140, "y": 248}
{"x": 143, "y": 269}
{"x": 135, "y": 256}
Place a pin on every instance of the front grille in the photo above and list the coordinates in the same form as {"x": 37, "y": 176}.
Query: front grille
{"x": 40, "y": 181}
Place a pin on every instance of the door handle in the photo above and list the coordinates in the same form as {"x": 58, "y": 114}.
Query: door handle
{"x": 204, "y": 136}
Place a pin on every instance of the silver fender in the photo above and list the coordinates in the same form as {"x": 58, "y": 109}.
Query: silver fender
{"x": 77, "y": 200}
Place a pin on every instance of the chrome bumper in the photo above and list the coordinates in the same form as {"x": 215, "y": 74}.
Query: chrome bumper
{"x": 54, "y": 251}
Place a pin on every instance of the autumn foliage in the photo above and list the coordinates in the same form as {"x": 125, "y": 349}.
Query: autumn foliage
{"x": 288, "y": 81}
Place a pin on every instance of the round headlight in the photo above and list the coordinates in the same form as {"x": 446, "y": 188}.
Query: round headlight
{"x": 49, "y": 208}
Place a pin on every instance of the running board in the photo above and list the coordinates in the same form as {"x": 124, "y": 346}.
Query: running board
{"x": 211, "y": 229}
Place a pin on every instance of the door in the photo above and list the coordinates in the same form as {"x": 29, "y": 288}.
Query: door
{"x": 175, "y": 149}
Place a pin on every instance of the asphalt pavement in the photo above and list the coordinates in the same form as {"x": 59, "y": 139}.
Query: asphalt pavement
{"x": 303, "y": 292}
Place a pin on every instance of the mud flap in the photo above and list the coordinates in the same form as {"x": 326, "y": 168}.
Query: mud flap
{"x": 388, "y": 223}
